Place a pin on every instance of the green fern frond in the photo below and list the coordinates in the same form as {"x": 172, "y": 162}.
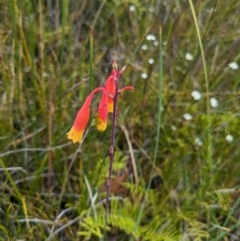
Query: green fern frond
{"x": 124, "y": 223}
{"x": 194, "y": 229}
{"x": 100, "y": 172}
{"x": 160, "y": 229}
{"x": 136, "y": 191}
{"x": 91, "y": 228}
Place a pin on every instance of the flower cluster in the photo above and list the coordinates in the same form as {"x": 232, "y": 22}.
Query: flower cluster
{"x": 106, "y": 105}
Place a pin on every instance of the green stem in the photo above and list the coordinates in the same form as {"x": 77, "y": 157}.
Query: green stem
{"x": 209, "y": 124}
{"x": 91, "y": 61}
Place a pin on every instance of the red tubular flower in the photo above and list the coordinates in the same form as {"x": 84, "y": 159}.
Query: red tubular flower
{"x": 113, "y": 73}
{"x": 103, "y": 112}
{"x": 106, "y": 105}
{"x": 82, "y": 118}
{"x": 107, "y": 100}
{"x": 111, "y": 88}
{"x": 128, "y": 87}
{"x": 110, "y": 85}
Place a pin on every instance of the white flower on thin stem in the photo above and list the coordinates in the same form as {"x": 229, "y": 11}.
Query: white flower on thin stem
{"x": 132, "y": 8}
{"x": 229, "y": 138}
{"x": 189, "y": 56}
{"x": 144, "y": 75}
{"x": 151, "y": 61}
{"x": 233, "y": 65}
{"x": 144, "y": 47}
{"x": 214, "y": 102}
{"x": 198, "y": 141}
{"x": 150, "y": 37}
{"x": 196, "y": 95}
{"x": 187, "y": 116}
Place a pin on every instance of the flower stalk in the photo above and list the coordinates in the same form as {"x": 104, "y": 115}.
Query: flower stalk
{"x": 113, "y": 131}
{"x": 112, "y": 144}
{"x": 108, "y": 104}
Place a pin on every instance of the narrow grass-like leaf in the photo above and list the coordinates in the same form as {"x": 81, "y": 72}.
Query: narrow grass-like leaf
{"x": 209, "y": 121}
{"x": 160, "y": 77}
{"x": 91, "y": 61}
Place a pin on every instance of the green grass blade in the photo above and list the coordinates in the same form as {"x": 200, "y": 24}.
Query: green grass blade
{"x": 160, "y": 77}
{"x": 91, "y": 61}
{"x": 209, "y": 124}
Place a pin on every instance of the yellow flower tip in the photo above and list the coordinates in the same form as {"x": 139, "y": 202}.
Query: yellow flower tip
{"x": 114, "y": 64}
{"x": 122, "y": 70}
{"x": 101, "y": 124}
{"x": 110, "y": 107}
{"x": 75, "y": 135}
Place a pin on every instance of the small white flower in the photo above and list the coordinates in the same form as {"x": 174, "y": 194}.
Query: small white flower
{"x": 198, "y": 141}
{"x": 132, "y": 8}
{"x": 156, "y": 43}
{"x": 151, "y": 61}
{"x": 45, "y": 74}
{"x": 187, "y": 116}
{"x": 189, "y": 56}
{"x": 196, "y": 95}
{"x": 4, "y": 97}
{"x": 229, "y": 138}
{"x": 214, "y": 102}
{"x": 150, "y": 37}
{"x": 174, "y": 128}
{"x": 144, "y": 75}
{"x": 233, "y": 65}
{"x": 144, "y": 47}
{"x": 151, "y": 9}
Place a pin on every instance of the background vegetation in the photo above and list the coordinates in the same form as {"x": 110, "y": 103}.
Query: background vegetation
{"x": 52, "y": 189}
